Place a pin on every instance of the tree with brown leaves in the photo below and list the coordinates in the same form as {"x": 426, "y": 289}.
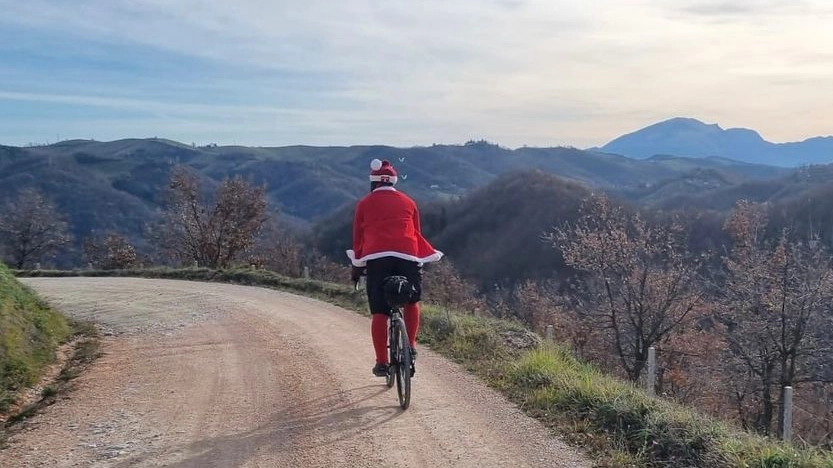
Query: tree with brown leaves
{"x": 776, "y": 297}
{"x": 278, "y": 250}
{"x": 444, "y": 287}
{"x": 212, "y": 231}
{"x": 31, "y": 228}
{"x": 636, "y": 281}
{"x": 541, "y": 303}
{"x": 110, "y": 252}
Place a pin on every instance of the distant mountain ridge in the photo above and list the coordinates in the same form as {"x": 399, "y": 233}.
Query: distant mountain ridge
{"x": 687, "y": 137}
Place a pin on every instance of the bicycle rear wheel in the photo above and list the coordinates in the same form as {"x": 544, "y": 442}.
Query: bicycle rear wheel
{"x": 403, "y": 364}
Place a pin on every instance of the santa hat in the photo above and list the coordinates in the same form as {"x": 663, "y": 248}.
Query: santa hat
{"x": 382, "y": 171}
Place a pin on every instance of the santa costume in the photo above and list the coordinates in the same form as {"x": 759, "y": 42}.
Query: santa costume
{"x": 386, "y": 223}
{"x": 387, "y": 241}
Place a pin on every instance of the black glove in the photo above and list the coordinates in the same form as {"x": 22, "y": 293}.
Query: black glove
{"x": 356, "y": 273}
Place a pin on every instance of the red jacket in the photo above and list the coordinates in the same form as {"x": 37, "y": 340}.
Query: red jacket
{"x": 386, "y": 224}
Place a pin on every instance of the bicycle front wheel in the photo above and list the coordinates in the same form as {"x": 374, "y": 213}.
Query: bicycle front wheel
{"x": 403, "y": 363}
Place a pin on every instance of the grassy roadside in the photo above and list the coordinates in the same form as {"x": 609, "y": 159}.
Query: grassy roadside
{"x": 616, "y": 422}
{"x": 84, "y": 344}
{"x": 29, "y": 334}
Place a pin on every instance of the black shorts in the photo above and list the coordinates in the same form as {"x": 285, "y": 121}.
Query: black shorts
{"x": 381, "y": 268}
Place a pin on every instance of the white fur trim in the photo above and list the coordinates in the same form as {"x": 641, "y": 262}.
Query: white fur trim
{"x": 381, "y": 178}
{"x": 375, "y": 165}
{"x": 360, "y": 262}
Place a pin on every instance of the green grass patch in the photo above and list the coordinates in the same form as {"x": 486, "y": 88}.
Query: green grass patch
{"x": 86, "y": 344}
{"x": 626, "y": 427}
{"x": 482, "y": 345}
{"x": 29, "y": 334}
{"x": 613, "y": 420}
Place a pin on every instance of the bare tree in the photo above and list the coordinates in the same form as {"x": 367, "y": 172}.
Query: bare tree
{"x": 110, "y": 252}
{"x": 323, "y": 269}
{"x": 282, "y": 251}
{"x": 776, "y": 296}
{"x": 540, "y": 303}
{"x": 444, "y": 286}
{"x": 636, "y": 281}
{"x": 31, "y": 228}
{"x": 278, "y": 250}
{"x": 212, "y": 232}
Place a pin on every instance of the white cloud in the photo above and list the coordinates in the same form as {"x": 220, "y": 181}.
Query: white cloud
{"x": 538, "y": 71}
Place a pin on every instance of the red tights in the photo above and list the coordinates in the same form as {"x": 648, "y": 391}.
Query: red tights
{"x": 379, "y": 331}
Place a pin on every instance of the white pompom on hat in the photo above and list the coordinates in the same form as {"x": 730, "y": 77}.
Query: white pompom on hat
{"x": 382, "y": 171}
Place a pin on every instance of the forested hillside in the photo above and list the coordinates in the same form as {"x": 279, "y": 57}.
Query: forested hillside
{"x": 493, "y": 234}
{"x": 480, "y": 201}
{"x": 116, "y": 186}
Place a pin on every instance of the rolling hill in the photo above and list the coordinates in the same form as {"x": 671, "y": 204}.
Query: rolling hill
{"x": 493, "y": 233}
{"x": 116, "y": 186}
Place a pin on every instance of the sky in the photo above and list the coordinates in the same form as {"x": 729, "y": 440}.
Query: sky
{"x": 405, "y": 73}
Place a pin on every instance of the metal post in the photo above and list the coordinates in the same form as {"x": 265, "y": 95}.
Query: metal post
{"x": 651, "y": 381}
{"x": 306, "y": 272}
{"x": 788, "y": 414}
{"x": 550, "y": 332}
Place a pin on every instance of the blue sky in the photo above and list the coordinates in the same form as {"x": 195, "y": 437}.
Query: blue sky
{"x": 515, "y": 72}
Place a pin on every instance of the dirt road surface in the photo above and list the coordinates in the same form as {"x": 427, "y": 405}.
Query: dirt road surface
{"x": 215, "y": 375}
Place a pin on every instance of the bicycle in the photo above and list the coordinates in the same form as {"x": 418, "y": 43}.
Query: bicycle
{"x": 401, "y": 361}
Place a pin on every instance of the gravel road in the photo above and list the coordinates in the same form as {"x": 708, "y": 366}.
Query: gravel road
{"x": 215, "y": 375}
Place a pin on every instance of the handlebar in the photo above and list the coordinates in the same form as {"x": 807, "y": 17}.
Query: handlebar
{"x": 357, "y": 282}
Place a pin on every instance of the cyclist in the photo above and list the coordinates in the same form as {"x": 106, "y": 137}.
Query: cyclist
{"x": 387, "y": 241}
